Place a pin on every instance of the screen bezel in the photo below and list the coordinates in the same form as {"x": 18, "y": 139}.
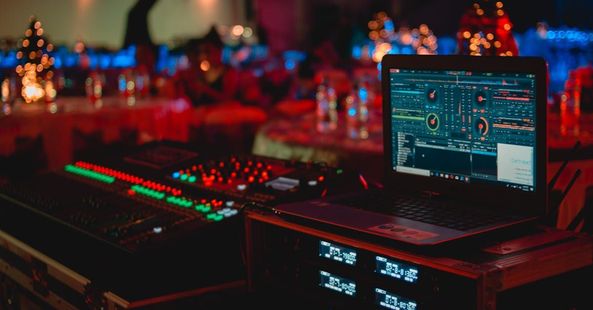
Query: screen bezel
{"x": 531, "y": 203}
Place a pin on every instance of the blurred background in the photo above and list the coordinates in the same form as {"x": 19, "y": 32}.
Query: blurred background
{"x": 288, "y": 79}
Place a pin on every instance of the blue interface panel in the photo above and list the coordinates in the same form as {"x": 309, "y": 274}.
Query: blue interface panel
{"x": 337, "y": 253}
{"x": 395, "y": 269}
{"x": 336, "y": 283}
{"x": 389, "y": 300}
{"x": 465, "y": 126}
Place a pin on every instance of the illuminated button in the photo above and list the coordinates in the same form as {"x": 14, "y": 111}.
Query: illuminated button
{"x": 218, "y": 217}
{"x": 175, "y": 175}
{"x": 231, "y": 213}
{"x": 157, "y": 230}
{"x": 184, "y": 177}
{"x": 229, "y": 203}
{"x": 220, "y": 212}
{"x": 192, "y": 179}
{"x": 203, "y": 208}
{"x": 211, "y": 216}
{"x": 312, "y": 183}
{"x": 225, "y": 210}
{"x": 89, "y": 174}
{"x": 241, "y": 187}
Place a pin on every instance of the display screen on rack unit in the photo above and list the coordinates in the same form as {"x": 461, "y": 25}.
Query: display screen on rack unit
{"x": 336, "y": 283}
{"x": 337, "y": 252}
{"x": 389, "y": 300}
{"x": 396, "y": 269}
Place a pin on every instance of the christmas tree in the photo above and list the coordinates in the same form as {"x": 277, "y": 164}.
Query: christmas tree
{"x": 35, "y": 63}
{"x": 485, "y": 29}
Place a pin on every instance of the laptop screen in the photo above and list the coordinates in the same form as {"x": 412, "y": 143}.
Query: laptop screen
{"x": 464, "y": 126}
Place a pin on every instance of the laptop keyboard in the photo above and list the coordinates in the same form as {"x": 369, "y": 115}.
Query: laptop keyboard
{"x": 434, "y": 212}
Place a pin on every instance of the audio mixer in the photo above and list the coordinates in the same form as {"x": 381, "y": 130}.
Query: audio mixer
{"x": 119, "y": 207}
{"x": 258, "y": 179}
{"x": 163, "y": 213}
{"x": 160, "y": 192}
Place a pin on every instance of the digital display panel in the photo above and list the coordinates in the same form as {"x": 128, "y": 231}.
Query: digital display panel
{"x": 337, "y": 253}
{"x": 469, "y": 127}
{"x": 395, "y": 269}
{"x": 336, "y": 283}
{"x": 389, "y": 300}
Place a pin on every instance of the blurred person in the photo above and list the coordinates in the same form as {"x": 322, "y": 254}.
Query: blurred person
{"x": 137, "y": 32}
{"x": 138, "y": 35}
{"x": 208, "y": 79}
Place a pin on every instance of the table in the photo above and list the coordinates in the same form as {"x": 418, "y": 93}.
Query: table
{"x": 153, "y": 118}
{"x": 565, "y": 129}
{"x": 296, "y": 138}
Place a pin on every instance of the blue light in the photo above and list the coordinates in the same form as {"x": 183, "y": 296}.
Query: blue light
{"x": 356, "y": 52}
{"x": 71, "y": 60}
{"x": 8, "y": 61}
{"x": 227, "y": 55}
{"x": 379, "y": 70}
{"x": 289, "y": 65}
{"x": 388, "y": 25}
{"x": 175, "y": 175}
{"x": 122, "y": 60}
{"x": 297, "y": 56}
{"x": 93, "y": 61}
{"x": 104, "y": 61}
{"x": 352, "y": 112}
{"x": 562, "y": 34}
{"x": 551, "y": 35}
{"x": 407, "y": 50}
{"x": 121, "y": 83}
{"x": 363, "y": 94}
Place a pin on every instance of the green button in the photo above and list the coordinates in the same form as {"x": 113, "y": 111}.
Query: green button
{"x": 211, "y": 216}
{"x": 192, "y": 179}
{"x": 206, "y": 208}
{"x": 184, "y": 177}
{"x": 218, "y": 217}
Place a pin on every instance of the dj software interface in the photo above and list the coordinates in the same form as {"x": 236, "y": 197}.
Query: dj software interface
{"x": 464, "y": 126}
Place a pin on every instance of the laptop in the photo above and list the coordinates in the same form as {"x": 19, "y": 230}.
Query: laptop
{"x": 464, "y": 146}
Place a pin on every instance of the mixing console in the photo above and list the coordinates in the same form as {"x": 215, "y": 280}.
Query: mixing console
{"x": 120, "y": 207}
{"x": 160, "y": 192}
{"x": 161, "y": 220}
{"x": 257, "y": 179}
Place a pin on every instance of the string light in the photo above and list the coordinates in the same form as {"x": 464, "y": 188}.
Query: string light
{"x": 35, "y": 65}
{"x": 386, "y": 39}
{"x": 486, "y": 30}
